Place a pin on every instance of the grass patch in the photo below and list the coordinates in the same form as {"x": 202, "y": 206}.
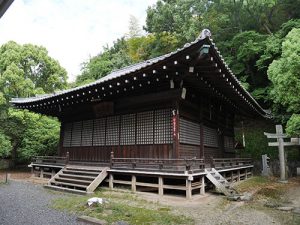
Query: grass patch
{"x": 270, "y": 193}
{"x": 121, "y": 207}
{"x": 264, "y": 188}
{"x": 253, "y": 183}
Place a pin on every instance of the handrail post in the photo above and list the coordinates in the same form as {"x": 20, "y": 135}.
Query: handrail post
{"x": 67, "y": 158}
{"x": 212, "y": 164}
{"x": 111, "y": 158}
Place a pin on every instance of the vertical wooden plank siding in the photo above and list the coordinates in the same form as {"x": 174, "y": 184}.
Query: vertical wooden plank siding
{"x": 102, "y": 153}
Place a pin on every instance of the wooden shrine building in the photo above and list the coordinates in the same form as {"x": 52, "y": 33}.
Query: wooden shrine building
{"x": 153, "y": 116}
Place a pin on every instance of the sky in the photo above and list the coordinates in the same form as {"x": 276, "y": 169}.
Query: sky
{"x": 71, "y": 30}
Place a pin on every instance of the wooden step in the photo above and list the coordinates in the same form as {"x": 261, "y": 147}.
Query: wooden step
{"x": 63, "y": 189}
{"x": 92, "y": 169}
{"x": 56, "y": 183}
{"x": 77, "y": 176}
{"x": 62, "y": 179}
{"x": 80, "y": 172}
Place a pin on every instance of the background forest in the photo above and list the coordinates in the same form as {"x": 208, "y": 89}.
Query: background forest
{"x": 259, "y": 39}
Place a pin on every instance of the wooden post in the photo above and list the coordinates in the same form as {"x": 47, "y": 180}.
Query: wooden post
{"x": 111, "y": 181}
{"x": 111, "y": 158}
{"x": 52, "y": 173}
{"x": 175, "y": 130}
{"x": 238, "y": 175}
{"x": 42, "y": 172}
{"x": 67, "y": 158}
{"x": 231, "y": 175}
{"x": 133, "y": 183}
{"x": 281, "y": 153}
{"x": 212, "y": 164}
{"x": 160, "y": 186}
{"x": 246, "y": 175}
{"x": 202, "y": 189}
{"x": 188, "y": 189}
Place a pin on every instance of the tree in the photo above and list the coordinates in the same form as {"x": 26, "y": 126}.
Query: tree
{"x": 26, "y": 70}
{"x": 182, "y": 18}
{"x": 102, "y": 64}
{"x": 134, "y": 27}
{"x": 285, "y": 76}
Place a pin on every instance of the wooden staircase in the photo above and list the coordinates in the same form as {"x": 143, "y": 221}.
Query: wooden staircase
{"x": 221, "y": 184}
{"x": 78, "y": 179}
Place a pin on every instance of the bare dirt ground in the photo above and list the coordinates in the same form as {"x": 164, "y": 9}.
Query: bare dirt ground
{"x": 212, "y": 209}
{"x": 20, "y": 175}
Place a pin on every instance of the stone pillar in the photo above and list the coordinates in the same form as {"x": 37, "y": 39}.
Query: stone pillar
{"x": 281, "y": 153}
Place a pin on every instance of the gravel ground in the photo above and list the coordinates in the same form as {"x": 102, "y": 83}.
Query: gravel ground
{"x": 26, "y": 203}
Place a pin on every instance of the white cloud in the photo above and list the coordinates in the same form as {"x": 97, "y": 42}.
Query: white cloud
{"x": 71, "y": 30}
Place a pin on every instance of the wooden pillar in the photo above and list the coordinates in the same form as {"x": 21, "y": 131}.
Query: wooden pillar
{"x": 52, "y": 173}
{"x": 238, "y": 175}
{"x": 111, "y": 181}
{"x": 246, "y": 175}
{"x": 160, "y": 186}
{"x": 188, "y": 189}
{"x": 202, "y": 189}
{"x": 133, "y": 183}
{"x": 231, "y": 175}
{"x": 201, "y": 141}
{"x": 42, "y": 172}
{"x": 175, "y": 130}
{"x": 61, "y": 138}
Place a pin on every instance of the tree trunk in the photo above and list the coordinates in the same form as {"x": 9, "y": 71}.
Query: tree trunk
{"x": 14, "y": 156}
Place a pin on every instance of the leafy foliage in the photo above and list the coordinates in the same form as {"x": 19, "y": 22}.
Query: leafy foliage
{"x": 26, "y": 70}
{"x": 5, "y": 146}
{"x": 285, "y": 73}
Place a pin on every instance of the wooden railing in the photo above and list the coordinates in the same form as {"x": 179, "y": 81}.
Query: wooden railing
{"x": 154, "y": 164}
{"x": 219, "y": 163}
{"x": 51, "y": 160}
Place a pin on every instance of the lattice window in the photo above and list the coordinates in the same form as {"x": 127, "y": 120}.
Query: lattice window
{"x": 112, "y": 130}
{"x": 127, "y": 129}
{"x": 144, "y": 125}
{"x": 99, "y": 132}
{"x": 67, "y": 135}
{"x": 163, "y": 126}
{"x": 228, "y": 142}
{"x": 189, "y": 132}
{"x": 76, "y": 133}
{"x": 87, "y": 133}
{"x": 210, "y": 137}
